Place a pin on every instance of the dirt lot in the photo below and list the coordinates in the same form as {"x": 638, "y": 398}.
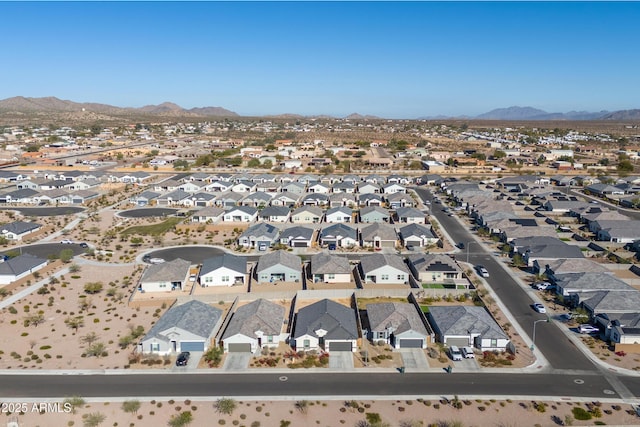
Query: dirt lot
{"x": 419, "y": 412}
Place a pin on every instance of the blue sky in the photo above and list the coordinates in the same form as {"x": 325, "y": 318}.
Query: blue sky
{"x": 390, "y": 59}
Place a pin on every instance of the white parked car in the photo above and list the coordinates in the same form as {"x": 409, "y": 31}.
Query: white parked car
{"x": 455, "y": 353}
{"x": 588, "y": 329}
{"x": 467, "y": 352}
{"x": 542, "y": 286}
{"x": 192, "y": 278}
{"x": 67, "y": 242}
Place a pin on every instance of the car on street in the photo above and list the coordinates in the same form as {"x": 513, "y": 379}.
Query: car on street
{"x": 586, "y": 328}
{"x": 192, "y": 278}
{"x": 467, "y": 353}
{"x": 542, "y": 286}
{"x": 84, "y": 245}
{"x": 482, "y": 271}
{"x": 460, "y": 245}
{"x": 156, "y": 260}
{"x": 183, "y": 358}
{"x": 539, "y": 308}
{"x": 66, "y": 242}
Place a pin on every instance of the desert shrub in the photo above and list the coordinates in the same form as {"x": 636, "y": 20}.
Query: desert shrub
{"x": 581, "y": 414}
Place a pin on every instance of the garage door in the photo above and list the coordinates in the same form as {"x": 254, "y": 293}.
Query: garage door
{"x": 415, "y": 343}
{"x": 240, "y": 348}
{"x": 340, "y": 346}
{"x": 300, "y": 244}
{"x": 460, "y": 342}
{"x": 192, "y": 346}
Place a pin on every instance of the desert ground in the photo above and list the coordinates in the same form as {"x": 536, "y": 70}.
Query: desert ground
{"x": 332, "y": 413}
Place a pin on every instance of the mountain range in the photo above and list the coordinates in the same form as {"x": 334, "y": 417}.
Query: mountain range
{"x": 24, "y": 105}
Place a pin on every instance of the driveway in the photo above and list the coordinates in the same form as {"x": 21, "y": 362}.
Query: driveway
{"x": 236, "y": 361}
{"x": 341, "y": 360}
{"x": 414, "y": 359}
{"x": 192, "y": 364}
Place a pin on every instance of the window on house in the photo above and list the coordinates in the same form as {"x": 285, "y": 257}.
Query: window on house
{"x": 225, "y": 278}
{"x": 384, "y": 277}
{"x": 155, "y": 347}
{"x": 494, "y": 343}
{"x": 270, "y": 338}
{"x": 306, "y": 343}
{"x": 331, "y": 276}
{"x": 400, "y": 277}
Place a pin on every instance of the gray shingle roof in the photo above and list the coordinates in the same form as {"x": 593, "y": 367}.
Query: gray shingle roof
{"x": 375, "y": 261}
{"x": 194, "y": 316}
{"x": 230, "y": 261}
{"x": 590, "y": 281}
{"x": 259, "y": 315}
{"x": 324, "y": 263}
{"x": 20, "y": 264}
{"x": 261, "y": 229}
{"x": 402, "y": 317}
{"x": 340, "y": 230}
{"x": 19, "y": 227}
{"x": 418, "y": 230}
{"x": 384, "y": 231}
{"x": 466, "y": 320}
{"x": 612, "y": 301}
{"x": 279, "y": 257}
{"x": 294, "y": 232}
{"x": 409, "y": 213}
{"x": 171, "y": 271}
{"x": 338, "y": 320}
{"x": 274, "y": 211}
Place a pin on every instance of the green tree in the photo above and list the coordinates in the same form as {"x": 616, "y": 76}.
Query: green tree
{"x": 66, "y": 255}
{"x": 234, "y": 161}
{"x": 74, "y": 322}
{"x": 499, "y": 154}
{"x": 181, "y": 165}
{"x": 268, "y": 164}
{"x": 625, "y": 166}
{"x": 253, "y": 163}
{"x": 93, "y": 287}
{"x": 96, "y": 349}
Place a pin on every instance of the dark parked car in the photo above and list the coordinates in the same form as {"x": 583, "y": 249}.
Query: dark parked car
{"x": 183, "y": 358}
{"x": 84, "y": 245}
{"x": 461, "y": 245}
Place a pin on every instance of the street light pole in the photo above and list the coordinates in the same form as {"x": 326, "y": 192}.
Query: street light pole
{"x": 533, "y": 338}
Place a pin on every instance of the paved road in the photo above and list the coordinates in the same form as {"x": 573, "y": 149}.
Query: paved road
{"x": 47, "y": 211}
{"x": 305, "y": 384}
{"x": 559, "y": 351}
{"x": 44, "y": 250}
{"x": 194, "y": 254}
{"x": 147, "y": 212}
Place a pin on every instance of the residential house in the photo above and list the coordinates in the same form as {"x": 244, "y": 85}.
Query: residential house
{"x": 343, "y": 187}
{"x": 417, "y": 235}
{"x": 297, "y": 237}
{"x": 325, "y": 325}
{"x": 240, "y": 214}
{"x": 307, "y": 215}
{"x": 145, "y": 198}
{"x": 384, "y": 269}
{"x": 186, "y": 327}
{"x": 168, "y": 276}
{"x": 434, "y": 268}
{"x": 370, "y": 199}
{"x": 285, "y": 199}
{"x": 259, "y": 324}
{"x": 228, "y": 200}
{"x": 318, "y": 187}
{"x": 378, "y": 236}
{"x": 260, "y": 235}
{"x": 257, "y": 199}
{"x": 209, "y": 215}
{"x": 339, "y": 214}
{"x": 274, "y": 214}
{"x": 315, "y": 199}
{"x": 410, "y": 216}
{"x": 467, "y": 326}
{"x": 223, "y": 270}
{"x": 202, "y": 199}
{"x": 342, "y": 199}
{"x": 279, "y": 266}
{"x": 369, "y": 188}
{"x": 400, "y": 200}
{"x": 17, "y": 230}
{"x": 21, "y": 266}
{"x": 399, "y": 325}
{"x": 173, "y": 198}
{"x": 326, "y": 268}
{"x": 340, "y": 235}
{"x": 392, "y": 188}
{"x": 371, "y": 214}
